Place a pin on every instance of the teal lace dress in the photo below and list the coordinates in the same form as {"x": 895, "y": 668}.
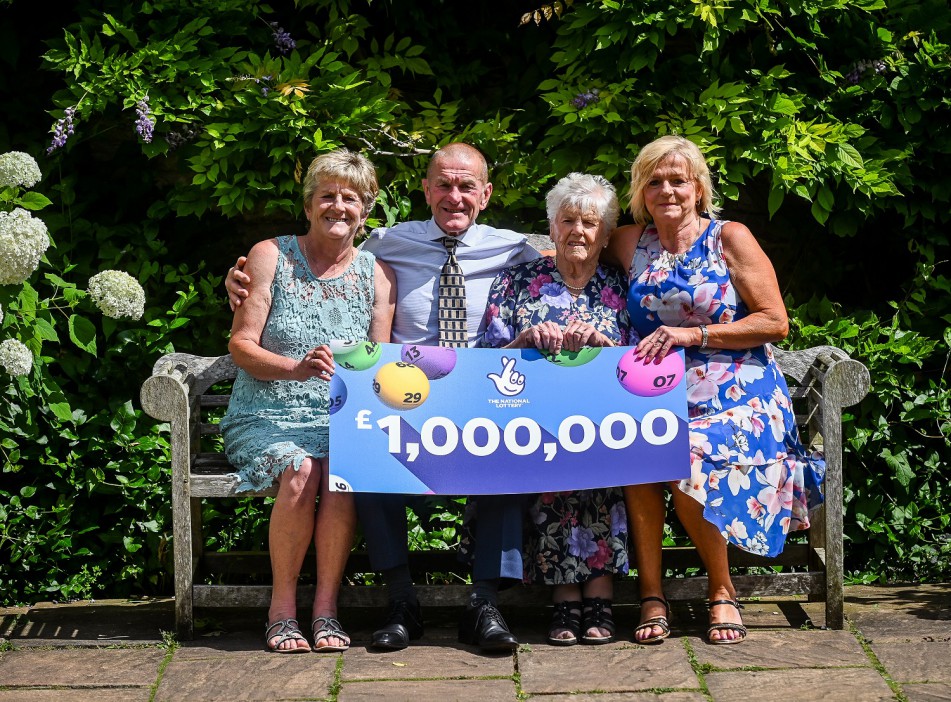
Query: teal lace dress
{"x": 271, "y": 425}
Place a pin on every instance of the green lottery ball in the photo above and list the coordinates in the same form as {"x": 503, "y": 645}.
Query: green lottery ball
{"x": 401, "y": 386}
{"x": 573, "y": 358}
{"x": 363, "y": 355}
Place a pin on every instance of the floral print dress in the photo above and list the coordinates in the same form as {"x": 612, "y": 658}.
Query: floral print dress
{"x": 748, "y": 467}
{"x": 578, "y": 535}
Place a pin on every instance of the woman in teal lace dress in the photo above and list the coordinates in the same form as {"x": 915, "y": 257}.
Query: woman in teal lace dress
{"x": 577, "y": 540}
{"x": 306, "y": 291}
{"x": 706, "y": 285}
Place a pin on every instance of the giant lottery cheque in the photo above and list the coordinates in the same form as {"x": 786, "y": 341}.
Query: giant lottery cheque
{"x": 428, "y": 420}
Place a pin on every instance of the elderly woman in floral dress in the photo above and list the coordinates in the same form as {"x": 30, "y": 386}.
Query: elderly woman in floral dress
{"x": 705, "y": 285}
{"x": 570, "y": 301}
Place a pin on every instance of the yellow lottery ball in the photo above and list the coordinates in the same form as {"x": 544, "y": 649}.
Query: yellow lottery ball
{"x": 401, "y": 386}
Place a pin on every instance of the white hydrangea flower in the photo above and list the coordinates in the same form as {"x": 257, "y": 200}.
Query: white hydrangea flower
{"x": 18, "y": 169}
{"x": 117, "y": 294}
{"x": 15, "y": 357}
{"x": 23, "y": 241}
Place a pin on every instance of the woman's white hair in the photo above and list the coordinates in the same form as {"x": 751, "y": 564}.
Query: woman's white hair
{"x": 585, "y": 193}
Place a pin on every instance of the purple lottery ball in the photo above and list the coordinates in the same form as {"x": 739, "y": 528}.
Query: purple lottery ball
{"x": 649, "y": 379}
{"x": 435, "y": 361}
{"x": 338, "y": 394}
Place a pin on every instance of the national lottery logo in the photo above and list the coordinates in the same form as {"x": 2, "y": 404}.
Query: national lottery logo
{"x": 508, "y": 382}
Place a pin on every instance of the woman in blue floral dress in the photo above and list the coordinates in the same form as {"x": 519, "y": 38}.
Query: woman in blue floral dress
{"x": 578, "y": 539}
{"x": 706, "y": 285}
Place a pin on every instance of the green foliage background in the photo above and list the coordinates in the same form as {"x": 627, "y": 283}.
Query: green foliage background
{"x": 826, "y": 122}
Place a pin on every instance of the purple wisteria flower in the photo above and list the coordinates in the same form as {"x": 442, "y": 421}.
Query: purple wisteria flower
{"x": 62, "y": 130}
{"x": 582, "y": 100}
{"x": 581, "y": 543}
{"x": 860, "y": 68}
{"x": 282, "y": 40}
{"x": 555, "y": 295}
{"x": 144, "y": 122}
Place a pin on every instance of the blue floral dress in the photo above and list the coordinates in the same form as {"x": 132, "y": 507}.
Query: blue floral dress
{"x": 578, "y": 535}
{"x": 748, "y": 467}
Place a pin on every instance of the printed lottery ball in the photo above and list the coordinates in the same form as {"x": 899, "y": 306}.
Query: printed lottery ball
{"x": 363, "y": 355}
{"x": 649, "y": 379}
{"x": 435, "y": 361}
{"x": 573, "y": 358}
{"x": 338, "y": 394}
{"x": 401, "y": 386}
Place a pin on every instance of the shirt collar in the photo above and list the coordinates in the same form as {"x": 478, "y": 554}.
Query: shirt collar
{"x": 470, "y": 237}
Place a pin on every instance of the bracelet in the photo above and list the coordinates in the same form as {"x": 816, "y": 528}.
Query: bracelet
{"x": 703, "y": 336}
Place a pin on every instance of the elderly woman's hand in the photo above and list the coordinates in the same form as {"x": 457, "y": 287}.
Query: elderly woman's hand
{"x": 580, "y": 334}
{"x": 317, "y": 363}
{"x": 659, "y": 342}
{"x": 546, "y": 336}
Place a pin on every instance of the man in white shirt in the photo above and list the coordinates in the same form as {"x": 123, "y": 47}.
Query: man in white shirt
{"x": 457, "y": 189}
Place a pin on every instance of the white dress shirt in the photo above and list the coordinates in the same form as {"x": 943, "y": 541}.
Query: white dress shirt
{"x": 416, "y": 254}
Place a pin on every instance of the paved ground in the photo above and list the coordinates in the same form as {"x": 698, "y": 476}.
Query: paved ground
{"x": 897, "y": 647}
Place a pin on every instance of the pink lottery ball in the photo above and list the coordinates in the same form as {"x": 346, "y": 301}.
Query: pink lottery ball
{"x": 649, "y": 379}
{"x": 435, "y": 361}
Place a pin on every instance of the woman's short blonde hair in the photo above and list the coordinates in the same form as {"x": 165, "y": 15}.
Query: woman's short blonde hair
{"x": 584, "y": 193}
{"x": 343, "y": 166}
{"x": 650, "y": 157}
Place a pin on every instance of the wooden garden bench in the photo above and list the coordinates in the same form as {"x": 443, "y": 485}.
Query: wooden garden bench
{"x": 822, "y": 381}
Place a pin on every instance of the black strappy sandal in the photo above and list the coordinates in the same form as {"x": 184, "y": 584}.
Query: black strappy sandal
{"x": 730, "y": 626}
{"x": 567, "y": 615}
{"x": 596, "y": 614}
{"x": 661, "y": 623}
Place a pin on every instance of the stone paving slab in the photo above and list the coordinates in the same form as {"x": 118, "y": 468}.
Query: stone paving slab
{"x": 608, "y": 668}
{"x": 784, "y": 649}
{"x": 628, "y": 697}
{"x": 923, "y": 662}
{"x": 424, "y": 662}
{"x": 442, "y": 690}
{"x": 801, "y": 685}
{"x": 269, "y": 676}
{"x": 92, "y": 623}
{"x": 901, "y": 613}
{"x": 81, "y": 667}
{"x": 928, "y": 692}
{"x": 86, "y": 694}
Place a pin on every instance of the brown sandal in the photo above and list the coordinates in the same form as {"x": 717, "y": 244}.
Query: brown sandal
{"x": 730, "y": 626}
{"x": 660, "y": 622}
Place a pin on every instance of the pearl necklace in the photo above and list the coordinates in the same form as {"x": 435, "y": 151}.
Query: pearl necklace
{"x": 568, "y": 285}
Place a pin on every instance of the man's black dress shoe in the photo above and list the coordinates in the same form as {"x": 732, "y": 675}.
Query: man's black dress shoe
{"x": 404, "y": 624}
{"x": 482, "y": 625}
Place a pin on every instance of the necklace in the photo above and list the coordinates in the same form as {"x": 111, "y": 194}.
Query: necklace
{"x": 327, "y": 273}
{"x": 564, "y": 281}
{"x": 668, "y": 260}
